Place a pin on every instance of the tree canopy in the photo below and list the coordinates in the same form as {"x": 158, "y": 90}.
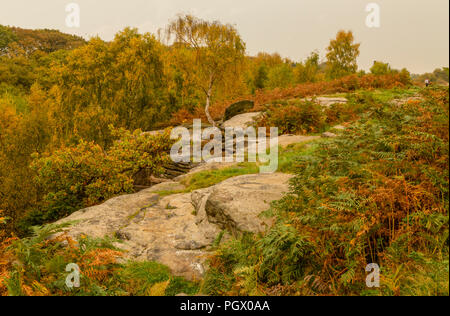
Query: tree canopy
{"x": 342, "y": 55}
{"x": 214, "y": 51}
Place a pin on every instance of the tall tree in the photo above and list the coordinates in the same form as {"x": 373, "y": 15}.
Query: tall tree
{"x": 121, "y": 82}
{"x": 380, "y": 68}
{"x": 342, "y": 55}
{"x": 218, "y": 52}
{"x": 307, "y": 71}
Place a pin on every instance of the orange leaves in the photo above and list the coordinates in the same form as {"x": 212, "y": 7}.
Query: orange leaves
{"x": 264, "y": 97}
{"x": 37, "y": 267}
{"x": 95, "y": 264}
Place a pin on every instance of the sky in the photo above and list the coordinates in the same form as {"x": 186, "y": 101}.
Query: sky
{"x": 412, "y": 33}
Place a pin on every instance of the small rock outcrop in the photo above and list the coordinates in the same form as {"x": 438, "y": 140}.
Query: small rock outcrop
{"x": 145, "y": 179}
{"x": 328, "y": 101}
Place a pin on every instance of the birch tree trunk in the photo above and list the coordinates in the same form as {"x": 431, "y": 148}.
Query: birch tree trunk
{"x": 208, "y": 103}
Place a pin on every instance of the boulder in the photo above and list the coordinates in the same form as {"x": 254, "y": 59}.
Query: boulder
{"x": 235, "y": 204}
{"x": 238, "y": 108}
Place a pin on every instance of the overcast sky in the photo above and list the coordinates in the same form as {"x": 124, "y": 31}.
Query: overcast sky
{"x": 413, "y": 33}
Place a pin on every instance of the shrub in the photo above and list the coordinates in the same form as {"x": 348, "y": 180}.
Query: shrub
{"x": 76, "y": 177}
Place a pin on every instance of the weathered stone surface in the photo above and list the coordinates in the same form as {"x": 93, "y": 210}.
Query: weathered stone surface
{"x": 211, "y": 166}
{"x": 145, "y": 178}
{"x": 166, "y": 186}
{"x": 241, "y": 120}
{"x": 401, "y": 101}
{"x": 235, "y": 204}
{"x": 283, "y": 141}
{"x": 238, "y": 108}
{"x": 150, "y": 228}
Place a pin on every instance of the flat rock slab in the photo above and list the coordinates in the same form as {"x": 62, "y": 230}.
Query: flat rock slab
{"x": 150, "y": 228}
{"x": 286, "y": 140}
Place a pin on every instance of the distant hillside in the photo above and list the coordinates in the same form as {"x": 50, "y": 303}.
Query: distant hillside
{"x": 31, "y": 40}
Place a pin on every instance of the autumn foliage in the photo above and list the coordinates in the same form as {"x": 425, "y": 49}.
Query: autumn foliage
{"x": 73, "y": 122}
